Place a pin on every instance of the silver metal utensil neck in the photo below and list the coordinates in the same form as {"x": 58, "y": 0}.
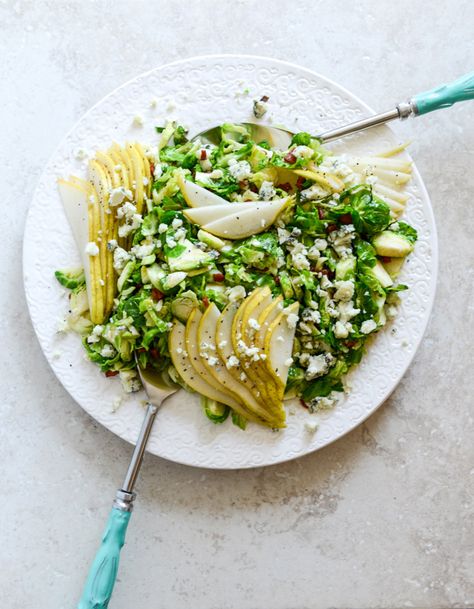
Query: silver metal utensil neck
{"x": 401, "y": 111}
{"x": 365, "y": 123}
{"x": 139, "y": 451}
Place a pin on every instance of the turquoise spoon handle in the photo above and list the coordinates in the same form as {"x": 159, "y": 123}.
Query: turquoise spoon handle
{"x": 444, "y": 96}
{"x": 461, "y": 89}
{"x": 101, "y": 579}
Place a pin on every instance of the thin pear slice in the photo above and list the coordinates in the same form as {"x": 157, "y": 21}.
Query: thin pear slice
{"x": 396, "y": 208}
{"x": 182, "y": 362}
{"x": 211, "y": 213}
{"x": 81, "y": 208}
{"x": 138, "y": 175}
{"x": 250, "y": 222}
{"x": 97, "y": 273}
{"x": 110, "y": 226}
{"x": 279, "y": 346}
{"x": 255, "y": 365}
{"x": 391, "y": 193}
{"x": 251, "y": 316}
{"x": 388, "y": 152}
{"x": 389, "y": 176}
{"x": 125, "y": 172}
{"x": 377, "y": 161}
{"x": 226, "y": 351}
{"x": 215, "y": 366}
{"x": 128, "y": 174}
{"x": 257, "y": 368}
{"x": 327, "y": 180}
{"x": 75, "y": 203}
{"x": 246, "y": 327}
{"x": 192, "y": 348}
{"x": 102, "y": 184}
{"x": 243, "y": 348}
{"x": 146, "y": 168}
{"x": 116, "y": 181}
{"x": 109, "y": 166}
{"x": 197, "y": 196}
{"x": 266, "y": 318}
{"x": 122, "y": 158}
{"x": 120, "y": 166}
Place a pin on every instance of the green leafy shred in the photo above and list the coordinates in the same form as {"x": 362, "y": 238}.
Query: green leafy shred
{"x": 72, "y": 279}
{"x": 238, "y": 420}
{"x": 214, "y": 411}
{"x": 404, "y": 229}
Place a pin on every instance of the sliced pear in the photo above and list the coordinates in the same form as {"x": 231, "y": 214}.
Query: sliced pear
{"x": 216, "y": 367}
{"x": 110, "y": 226}
{"x": 226, "y": 351}
{"x": 197, "y": 196}
{"x": 240, "y": 345}
{"x": 182, "y": 362}
{"x": 118, "y": 153}
{"x": 391, "y": 193}
{"x": 246, "y": 328}
{"x": 120, "y": 167}
{"x": 128, "y": 176}
{"x": 251, "y": 357}
{"x": 97, "y": 274}
{"x": 75, "y": 203}
{"x": 146, "y": 169}
{"x": 138, "y": 175}
{"x": 102, "y": 184}
{"x": 396, "y": 209}
{"x": 258, "y": 369}
{"x": 211, "y": 213}
{"x": 124, "y": 170}
{"x": 192, "y": 348}
{"x": 108, "y": 166}
{"x": 327, "y": 180}
{"x": 394, "y": 151}
{"x": 389, "y": 176}
{"x": 250, "y": 222}
{"x": 386, "y": 163}
{"x": 213, "y": 242}
{"x": 279, "y": 346}
{"x": 267, "y": 316}
{"x": 94, "y": 222}
{"x": 252, "y": 314}
{"x": 81, "y": 208}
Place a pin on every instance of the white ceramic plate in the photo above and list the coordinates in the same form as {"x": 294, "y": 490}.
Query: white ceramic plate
{"x": 201, "y": 92}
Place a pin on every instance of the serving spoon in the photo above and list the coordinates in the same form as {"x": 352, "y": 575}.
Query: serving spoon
{"x": 444, "y": 96}
{"x": 103, "y": 572}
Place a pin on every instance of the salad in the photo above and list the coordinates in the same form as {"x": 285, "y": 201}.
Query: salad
{"x": 247, "y": 274}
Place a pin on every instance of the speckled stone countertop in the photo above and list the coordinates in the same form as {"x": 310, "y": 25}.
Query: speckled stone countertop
{"x": 381, "y": 519}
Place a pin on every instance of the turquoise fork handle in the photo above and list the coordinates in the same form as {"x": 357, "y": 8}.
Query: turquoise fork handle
{"x": 461, "y": 89}
{"x": 101, "y": 579}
